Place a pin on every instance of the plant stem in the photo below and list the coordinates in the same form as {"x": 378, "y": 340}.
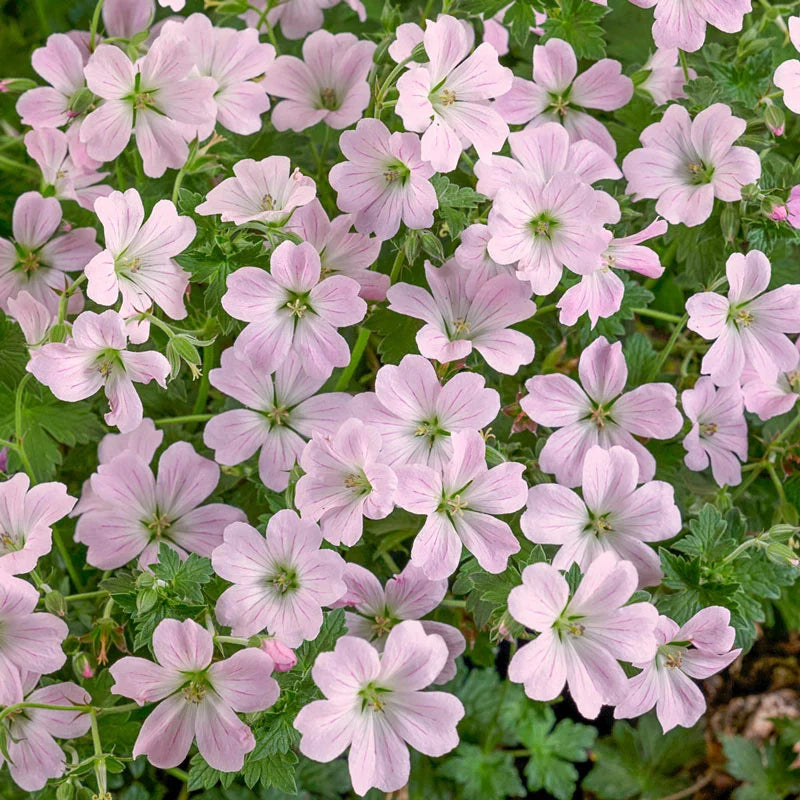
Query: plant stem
{"x": 124, "y": 708}
{"x": 85, "y": 595}
{"x": 355, "y": 360}
{"x": 186, "y": 418}
{"x": 209, "y": 354}
{"x": 66, "y": 558}
{"x": 664, "y": 354}
{"x": 178, "y": 773}
{"x": 396, "y": 266}
{"x": 684, "y": 66}
{"x": 95, "y": 22}
{"x": 655, "y": 314}
{"x": 18, "y": 426}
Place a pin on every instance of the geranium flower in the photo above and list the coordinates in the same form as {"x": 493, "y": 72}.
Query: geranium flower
{"x": 133, "y": 512}
{"x": 344, "y": 482}
{"x": 198, "y": 699}
{"x": 464, "y": 311}
{"x": 384, "y": 181}
{"x": 96, "y": 355}
{"x": 666, "y": 79}
{"x": 698, "y": 649}
{"x": 719, "y": 430}
{"x": 459, "y": 501}
{"x": 375, "y": 705}
{"x": 341, "y": 252}
{"x": 34, "y": 756}
{"x": 33, "y": 317}
{"x": 612, "y": 516}
{"x": 157, "y": 99}
{"x": 37, "y": 261}
{"x": 236, "y": 60}
{"x": 125, "y": 19}
{"x": 598, "y": 413}
{"x": 138, "y": 261}
{"x": 26, "y": 516}
{"x": 581, "y": 637}
{"x": 686, "y": 163}
{"x": 787, "y": 75}
{"x": 280, "y": 582}
{"x": 682, "y": 23}
{"x": 416, "y": 415}
{"x": 60, "y": 63}
{"x": 749, "y": 326}
{"x": 472, "y": 253}
{"x": 281, "y": 412}
{"x": 261, "y": 191}
{"x": 292, "y": 310}
{"x": 772, "y": 398}
{"x": 328, "y": 85}
{"x": 448, "y": 99}
{"x": 557, "y": 93}
{"x": 31, "y": 641}
{"x": 411, "y": 594}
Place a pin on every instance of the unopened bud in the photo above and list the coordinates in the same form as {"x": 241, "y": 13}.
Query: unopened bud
{"x": 729, "y": 222}
{"x": 775, "y": 119}
{"x": 283, "y": 657}
{"x": 16, "y": 85}
{"x": 54, "y": 602}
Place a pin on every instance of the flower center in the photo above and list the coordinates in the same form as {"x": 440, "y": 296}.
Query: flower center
{"x": 708, "y": 429}
{"x": 195, "y": 690}
{"x": 30, "y": 262}
{"x": 599, "y": 525}
{"x": 107, "y": 360}
{"x": 543, "y": 225}
{"x": 10, "y": 543}
{"x": 598, "y": 416}
{"x": 159, "y": 524}
{"x": 358, "y": 482}
{"x": 267, "y": 203}
{"x": 382, "y": 626}
{"x": 284, "y": 580}
{"x": 744, "y": 318}
{"x": 447, "y": 97}
{"x": 569, "y": 626}
{"x": 143, "y": 100}
{"x": 298, "y": 305}
{"x": 396, "y": 172}
{"x": 559, "y": 104}
{"x": 278, "y": 415}
{"x": 460, "y": 326}
{"x": 793, "y": 379}
{"x": 132, "y": 265}
{"x": 671, "y": 656}
{"x": 371, "y": 697}
{"x": 328, "y": 99}
{"x": 699, "y": 172}
{"x": 431, "y": 429}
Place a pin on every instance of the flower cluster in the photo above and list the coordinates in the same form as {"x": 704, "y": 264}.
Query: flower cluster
{"x": 364, "y": 233}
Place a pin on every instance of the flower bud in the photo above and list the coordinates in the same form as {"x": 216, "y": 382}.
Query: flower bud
{"x": 729, "y": 222}
{"x": 54, "y": 602}
{"x": 775, "y": 119}
{"x": 16, "y": 85}
{"x": 282, "y": 656}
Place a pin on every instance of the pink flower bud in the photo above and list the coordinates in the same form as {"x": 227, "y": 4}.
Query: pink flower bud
{"x": 282, "y": 656}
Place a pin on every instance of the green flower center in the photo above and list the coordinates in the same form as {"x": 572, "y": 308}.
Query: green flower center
{"x": 328, "y": 99}
{"x": 373, "y": 697}
{"x": 284, "y": 580}
{"x": 396, "y": 172}
{"x": 358, "y": 482}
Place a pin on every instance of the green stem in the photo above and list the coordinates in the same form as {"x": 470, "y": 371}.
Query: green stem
{"x": 48, "y": 706}
{"x": 124, "y": 708}
{"x": 85, "y": 595}
{"x": 355, "y": 360}
{"x": 209, "y": 355}
{"x": 684, "y": 66}
{"x": 180, "y": 774}
{"x": 68, "y": 292}
{"x": 655, "y": 314}
{"x": 546, "y": 309}
{"x": 18, "y": 426}
{"x": 186, "y": 418}
{"x": 386, "y": 85}
{"x": 95, "y": 23}
{"x": 396, "y": 266}
{"x": 777, "y": 482}
{"x": 664, "y": 354}
{"x": 787, "y": 430}
{"x": 16, "y": 167}
{"x": 67, "y": 559}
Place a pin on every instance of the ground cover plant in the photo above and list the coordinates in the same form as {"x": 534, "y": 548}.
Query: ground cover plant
{"x": 399, "y": 399}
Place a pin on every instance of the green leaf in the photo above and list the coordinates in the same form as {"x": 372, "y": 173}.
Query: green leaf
{"x": 482, "y": 775}
{"x": 578, "y": 24}
{"x": 13, "y": 353}
{"x": 766, "y": 773}
{"x": 397, "y": 334}
{"x": 641, "y": 358}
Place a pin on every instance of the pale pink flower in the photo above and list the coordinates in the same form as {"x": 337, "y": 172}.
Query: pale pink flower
{"x": 375, "y": 705}
{"x": 126, "y": 19}
{"x": 37, "y": 260}
{"x": 235, "y": 60}
{"x": 281, "y": 582}
{"x": 791, "y": 211}
{"x": 341, "y": 252}
{"x": 31, "y": 641}
{"x": 539, "y": 154}
{"x": 156, "y": 99}
{"x": 281, "y": 413}
{"x": 719, "y": 430}
{"x": 682, "y": 23}
{"x": 34, "y": 756}
{"x": 459, "y": 501}
{"x": 698, "y": 649}
{"x": 282, "y": 656}
{"x": 772, "y": 398}
{"x": 686, "y": 163}
{"x": 408, "y": 595}
{"x": 344, "y": 482}
{"x": 96, "y": 356}
{"x": 26, "y": 516}
{"x": 53, "y": 150}
{"x": 581, "y": 637}
{"x": 291, "y": 310}
{"x": 597, "y": 412}
{"x": 175, "y": 5}
{"x": 472, "y": 253}
{"x": 198, "y": 699}
{"x": 416, "y": 415}
{"x": 138, "y": 261}
{"x": 665, "y": 80}
{"x": 133, "y": 512}
{"x": 35, "y": 319}
{"x": 328, "y": 85}
{"x": 462, "y": 311}
{"x": 787, "y": 75}
{"x": 143, "y": 441}
{"x": 261, "y": 191}
{"x": 749, "y": 326}
{"x": 557, "y": 93}
{"x": 545, "y": 228}
{"x": 612, "y": 516}
{"x": 296, "y": 18}
{"x": 384, "y": 181}
{"x": 600, "y": 292}
{"x": 448, "y": 98}
{"x": 60, "y": 63}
